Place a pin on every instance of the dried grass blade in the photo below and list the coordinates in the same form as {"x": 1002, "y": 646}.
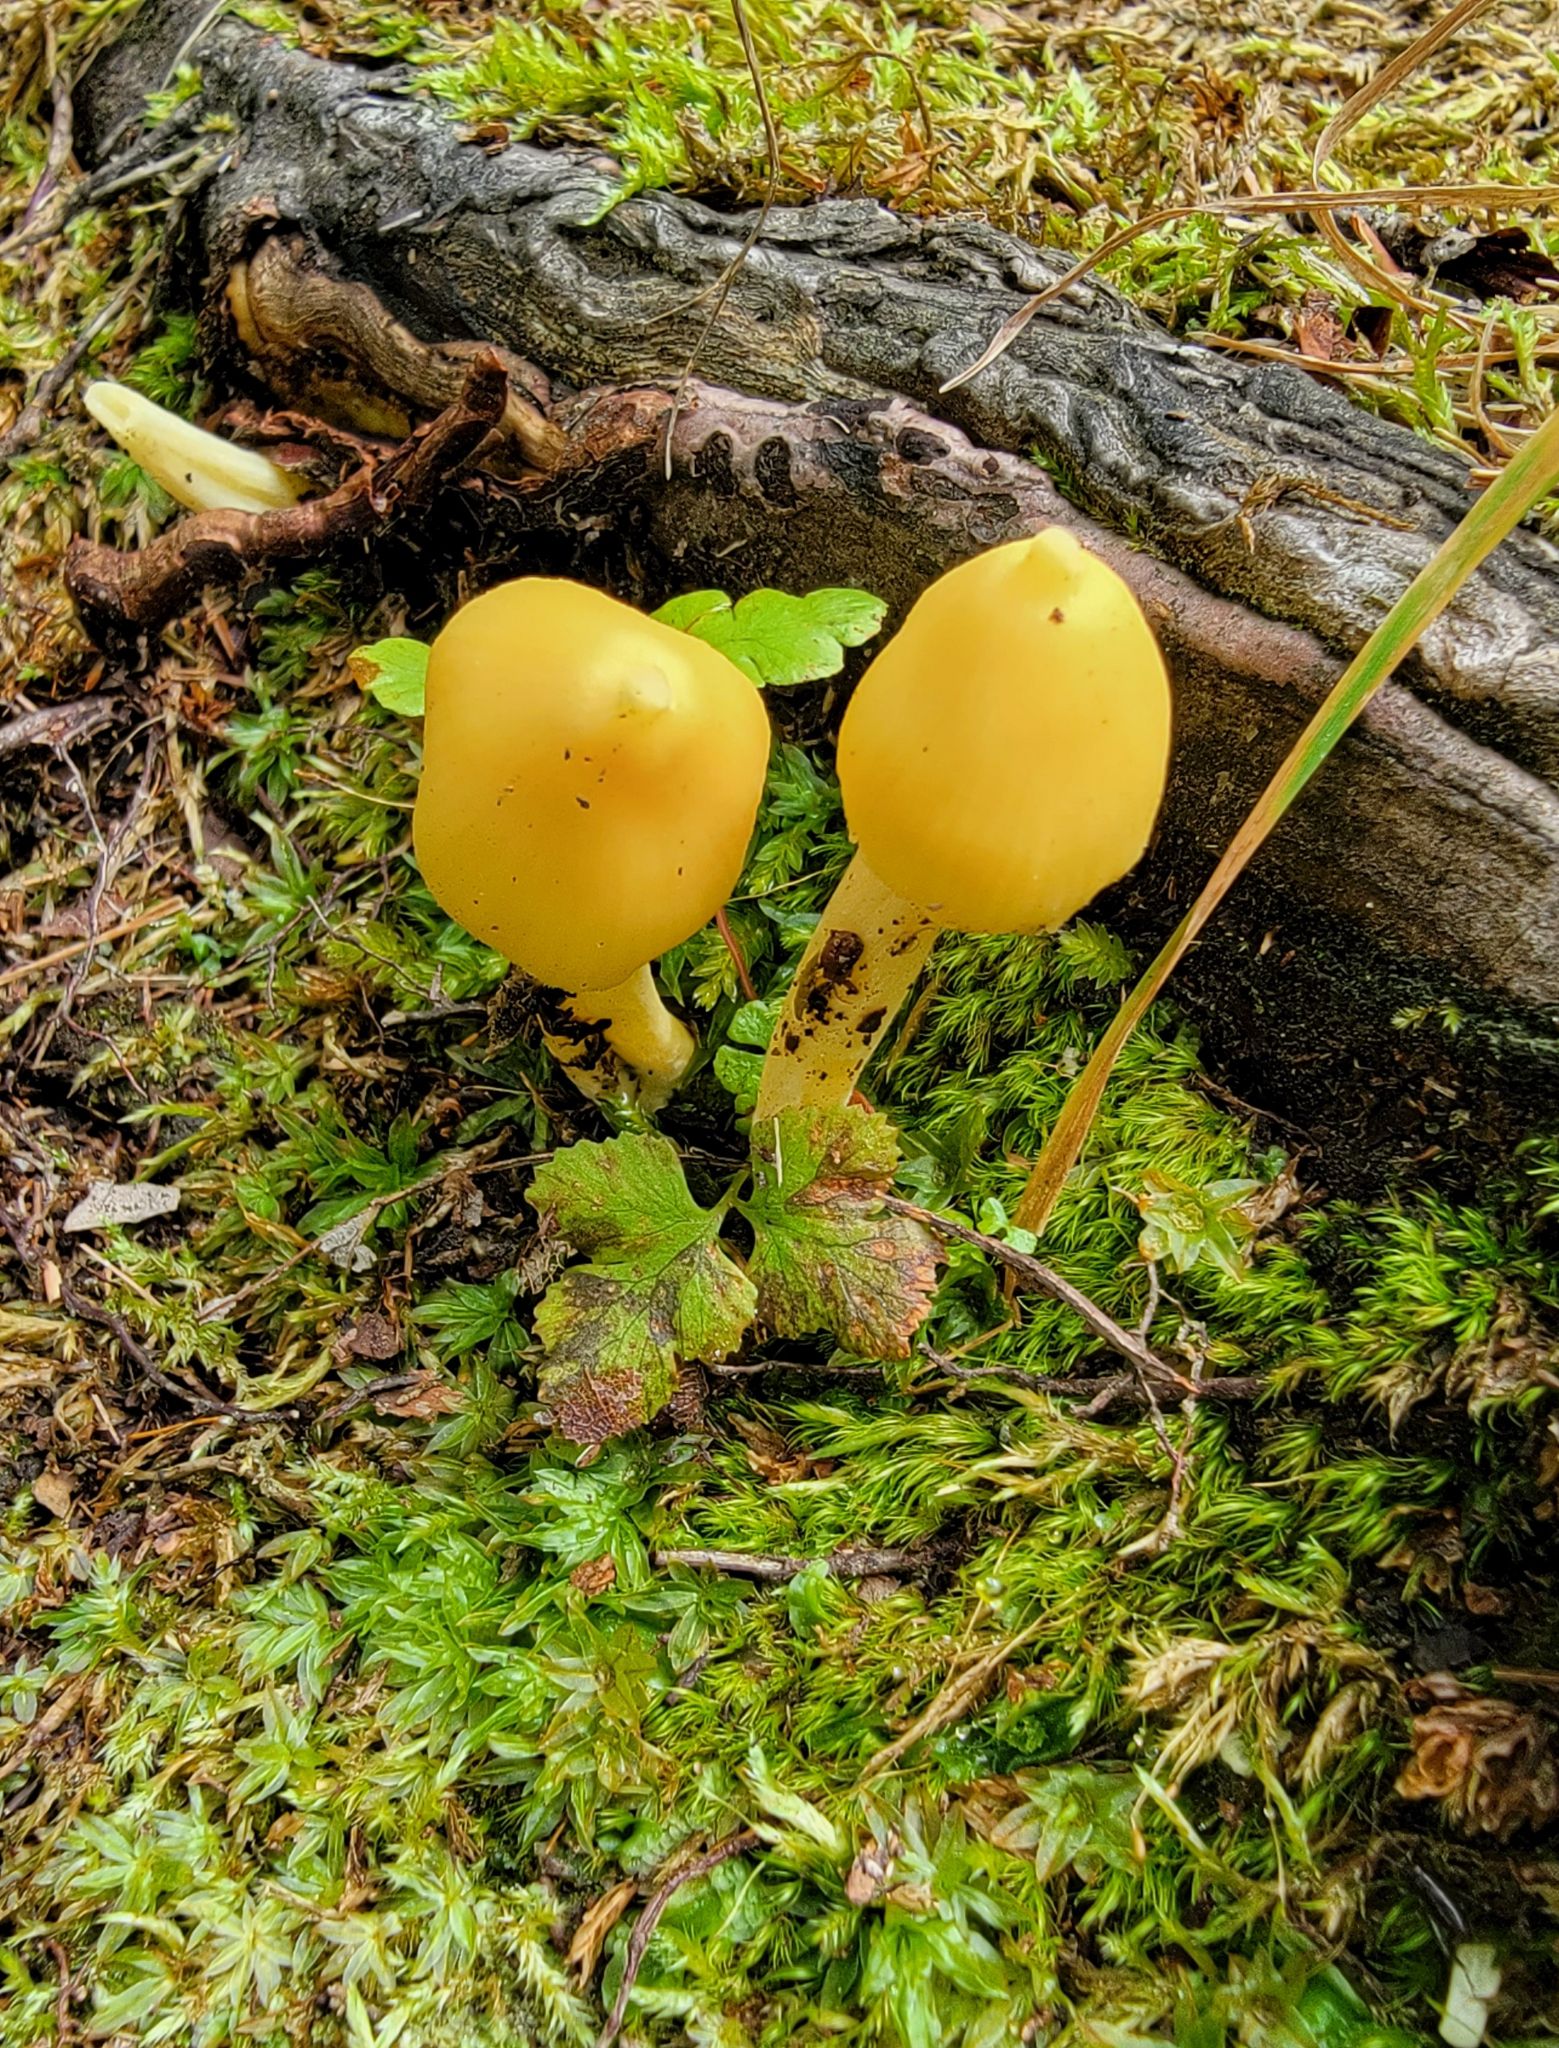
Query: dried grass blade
{"x": 1324, "y": 204}
{"x": 1370, "y": 274}
{"x": 1503, "y": 505}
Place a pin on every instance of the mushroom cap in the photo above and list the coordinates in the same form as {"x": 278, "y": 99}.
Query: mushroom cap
{"x": 590, "y": 780}
{"x": 1004, "y": 756}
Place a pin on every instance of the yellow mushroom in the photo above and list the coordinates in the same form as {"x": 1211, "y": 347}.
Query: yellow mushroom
{"x": 1002, "y": 761}
{"x": 589, "y": 785}
{"x": 195, "y": 468}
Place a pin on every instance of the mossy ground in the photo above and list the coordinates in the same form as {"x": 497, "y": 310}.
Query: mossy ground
{"x": 339, "y": 1700}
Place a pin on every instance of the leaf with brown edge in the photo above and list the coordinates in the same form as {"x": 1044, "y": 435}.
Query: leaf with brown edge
{"x": 596, "y": 1923}
{"x": 658, "y": 1289}
{"x": 827, "y": 1256}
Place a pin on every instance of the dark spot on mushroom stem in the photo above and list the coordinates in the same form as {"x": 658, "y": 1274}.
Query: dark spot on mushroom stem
{"x": 1058, "y": 617}
{"x": 841, "y": 951}
{"x": 902, "y": 944}
{"x": 830, "y": 972}
{"x": 568, "y": 753}
{"x": 583, "y": 802}
{"x": 871, "y": 1023}
{"x": 792, "y": 1040}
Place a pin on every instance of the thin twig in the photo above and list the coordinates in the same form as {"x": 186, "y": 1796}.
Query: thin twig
{"x": 723, "y": 926}
{"x": 1045, "y": 1280}
{"x": 852, "y": 1562}
{"x": 56, "y": 725}
{"x": 649, "y": 1919}
{"x": 61, "y": 133}
{"x": 64, "y": 2025}
{"x": 138, "y": 592}
{"x": 49, "y": 1722}
{"x": 1100, "y": 1391}
{"x": 113, "y": 852}
{"x": 1373, "y": 276}
{"x": 24, "y": 968}
{"x": 33, "y": 417}
{"x": 79, "y": 1306}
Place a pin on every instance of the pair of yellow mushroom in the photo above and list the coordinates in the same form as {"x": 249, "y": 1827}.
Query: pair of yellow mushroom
{"x": 591, "y": 779}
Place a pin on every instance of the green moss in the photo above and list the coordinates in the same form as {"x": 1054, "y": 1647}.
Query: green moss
{"x": 364, "y": 1694}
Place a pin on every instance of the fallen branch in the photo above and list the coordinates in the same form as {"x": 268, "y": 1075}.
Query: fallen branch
{"x": 814, "y": 449}
{"x": 131, "y": 593}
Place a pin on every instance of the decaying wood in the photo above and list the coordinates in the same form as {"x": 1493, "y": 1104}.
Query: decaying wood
{"x": 355, "y": 246}
{"x": 293, "y": 320}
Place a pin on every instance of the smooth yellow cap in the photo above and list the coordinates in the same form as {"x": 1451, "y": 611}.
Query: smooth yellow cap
{"x": 590, "y": 780}
{"x": 1004, "y": 757}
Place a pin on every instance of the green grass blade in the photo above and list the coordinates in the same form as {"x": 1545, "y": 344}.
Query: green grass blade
{"x": 1503, "y": 505}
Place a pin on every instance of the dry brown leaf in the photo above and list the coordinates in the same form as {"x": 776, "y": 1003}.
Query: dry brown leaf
{"x": 1515, "y": 1356}
{"x": 1318, "y": 329}
{"x": 1271, "y": 1202}
{"x": 596, "y": 1923}
{"x": 1483, "y": 1599}
{"x": 1490, "y": 1763}
{"x": 594, "y": 1575}
{"x": 871, "y": 1873}
{"x": 1217, "y": 103}
{"x": 768, "y": 1453}
{"x": 373, "y": 1335}
{"x": 426, "y": 1396}
{"x": 1428, "y": 1552}
{"x": 54, "y": 1490}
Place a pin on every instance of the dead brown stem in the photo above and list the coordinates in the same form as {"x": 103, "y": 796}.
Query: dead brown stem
{"x": 119, "y": 594}
{"x": 684, "y": 1873}
{"x": 852, "y": 1563}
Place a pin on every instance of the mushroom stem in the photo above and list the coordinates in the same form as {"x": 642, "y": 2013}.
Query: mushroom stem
{"x": 868, "y": 949}
{"x": 652, "y": 1049}
{"x": 196, "y": 469}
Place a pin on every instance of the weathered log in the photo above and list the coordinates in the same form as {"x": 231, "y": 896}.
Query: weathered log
{"x": 1267, "y": 523}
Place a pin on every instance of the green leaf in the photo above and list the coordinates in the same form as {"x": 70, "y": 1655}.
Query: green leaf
{"x": 827, "y": 1254}
{"x": 658, "y": 1287}
{"x": 1185, "y": 1226}
{"x": 686, "y": 611}
{"x": 737, "y": 1070}
{"x": 776, "y": 639}
{"x": 394, "y": 673}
